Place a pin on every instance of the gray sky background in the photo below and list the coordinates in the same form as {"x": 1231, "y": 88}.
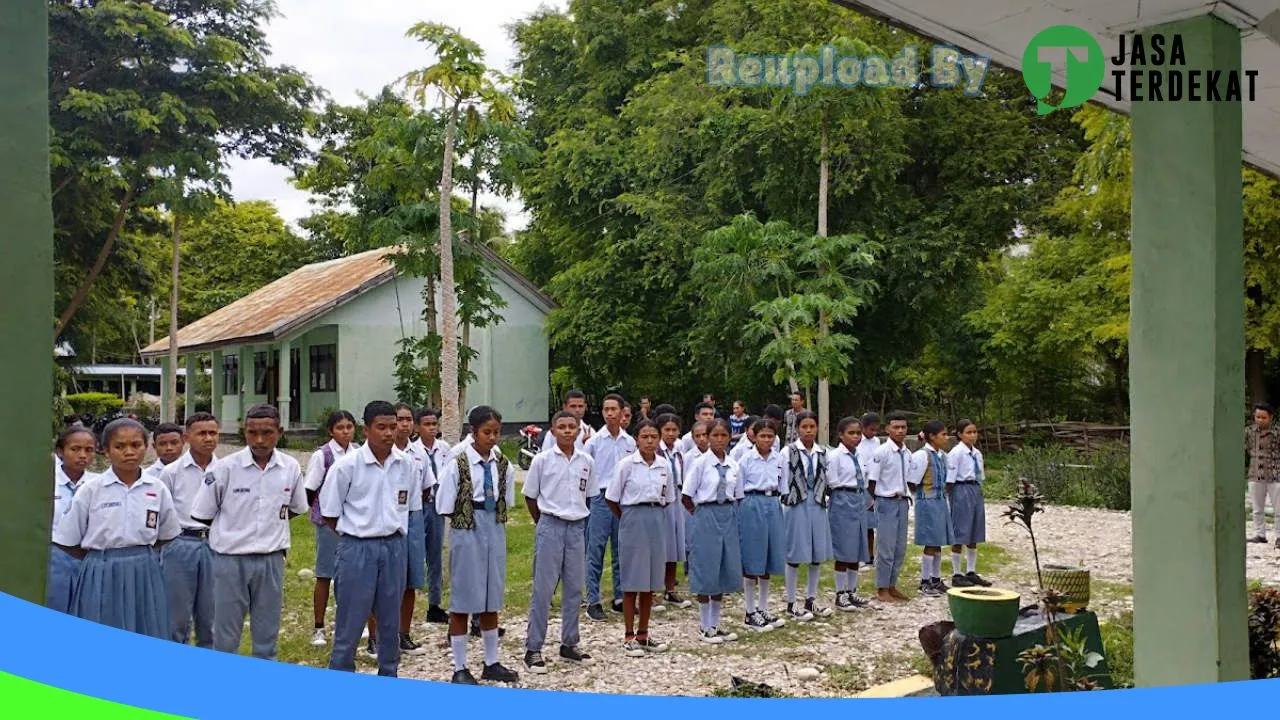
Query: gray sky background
{"x": 353, "y": 46}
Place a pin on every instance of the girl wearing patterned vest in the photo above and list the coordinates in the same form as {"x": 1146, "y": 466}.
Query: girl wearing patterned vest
{"x": 804, "y": 510}
{"x": 476, "y": 489}
{"x": 928, "y": 484}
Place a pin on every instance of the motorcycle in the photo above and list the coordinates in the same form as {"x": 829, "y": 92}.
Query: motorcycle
{"x": 530, "y": 445}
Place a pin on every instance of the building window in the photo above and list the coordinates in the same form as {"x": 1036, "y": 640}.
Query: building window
{"x": 260, "y": 373}
{"x": 230, "y": 375}
{"x": 324, "y": 368}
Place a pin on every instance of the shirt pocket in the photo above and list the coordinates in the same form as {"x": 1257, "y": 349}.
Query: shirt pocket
{"x": 149, "y": 515}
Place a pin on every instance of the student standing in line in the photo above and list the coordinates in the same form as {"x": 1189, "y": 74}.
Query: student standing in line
{"x": 669, "y": 431}
{"x": 607, "y": 448}
{"x": 703, "y": 413}
{"x": 965, "y": 472}
{"x": 761, "y": 532}
{"x": 747, "y": 443}
{"x": 928, "y": 482}
{"x": 475, "y": 492}
{"x": 555, "y": 491}
{"x": 434, "y": 452}
{"x": 247, "y": 500}
{"x": 890, "y": 468}
{"x": 168, "y": 441}
{"x": 699, "y": 435}
{"x": 73, "y": 452}
{"x": 575, "y": 402}
{"x": 804, "y": 511}
{"x": 792, "y": 416}
{"x": 116, "y": 523}
{"x": 367, "y": 500}
{"x": 341, "y": 426}
{"x": 626, "y": 416}
{"x": 711, "y": 493}
{"x": 848, "y": 512}
{"x": 187, "y": 562}
{"x": 866, "y": 451}
{"x": 639, "y": 490}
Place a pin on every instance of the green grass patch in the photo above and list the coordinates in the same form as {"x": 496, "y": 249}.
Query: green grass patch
{"x": 1117, "y": 643}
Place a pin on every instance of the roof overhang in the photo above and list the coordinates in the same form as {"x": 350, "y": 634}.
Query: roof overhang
{"x": 1001, "y": 30}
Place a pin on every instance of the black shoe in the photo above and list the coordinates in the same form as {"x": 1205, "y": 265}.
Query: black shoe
{"x": 497, "y": 673}
{"x": 463, "y": 677}
{"x": 617, "y": 606}
{"x": 409, "y": 647}
{"x": 1258, "y": 539}
{"x": 595, "y": 612}
{"x": 940, "y": 586}
{"x": 977, "y": 579}
{"x": 371, "y": 648}
{"x": 928, "y": 589}
{"x": 534, "y": 662}
{"x": 573, "y": 654}
{"x": 436, "y": 614}
{"x": 475, "y": 630}
{"x": 961, "y": 581}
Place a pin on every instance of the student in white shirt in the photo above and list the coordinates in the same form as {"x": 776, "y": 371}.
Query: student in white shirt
{"x": 699, "y": 434}
{"x": 168, "y": 441}
{"x": 116, "y": 523}
{"x": 847, "y": 513}
{"x": 703, "y": 412}
{"x": 965, "y": 473}
{"x": 555, "y": 491}
{"x": 575, "y": 403}
{"x": 476, "y": 492}
{"x": 669, "y": 430}
{"x": 366, "y": 500}
{"x": 804, "y": 512}
{"x": 762, "y": 533}
{"x": 73, "y": 452}
{"x": 341, "y": 426}
{"x": 711, "y": 492}
{"x": 607, "y": 448}
{"x": 434, "y": 453}
{"x": 866, "y": 451}
{"x": 187, "y": 562}
{"x": 248, "y": 499}
{"x": 890, "y": 468}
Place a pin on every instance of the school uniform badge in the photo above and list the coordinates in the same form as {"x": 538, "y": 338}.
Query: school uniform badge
{"x": 208, "y": 478}
{"x": 403, "y": 497}
{"x": 153, "y": 519}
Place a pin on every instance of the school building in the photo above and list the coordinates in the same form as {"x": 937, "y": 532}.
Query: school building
{"x": 325, "y": 337}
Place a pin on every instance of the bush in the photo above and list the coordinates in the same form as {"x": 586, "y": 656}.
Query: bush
{"x": 1066, "y": 476}
{"x": 1117, "y": 643}
{"x": 94, "y": 403}
{"x": 143, "y": 408}
{"x": 1264, "y": 633}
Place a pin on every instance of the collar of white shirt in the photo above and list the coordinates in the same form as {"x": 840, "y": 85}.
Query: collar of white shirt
{"x": 246, "y": 459}
{"x": 368, "y": 458}
{"x": 555, "y": 448}
{"x": 474, "y": 458}
{"x": 187, "y": 460}
{"x": 109, "y": 477}
{"x": 816, "y": 447}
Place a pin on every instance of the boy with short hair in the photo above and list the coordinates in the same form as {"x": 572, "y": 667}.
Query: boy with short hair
{"x": 1262, "y": 459}
{"x": 887, "y": 481}
{"x": 169, "y": 440}
{"x": 606, "y": 449}
{"x": 704, "y": 413}
{"x": 433, "y": 452}
{"x": 866, "y": 451}
{"x": 187, "y": 562}
{"x": 575, "y": 402}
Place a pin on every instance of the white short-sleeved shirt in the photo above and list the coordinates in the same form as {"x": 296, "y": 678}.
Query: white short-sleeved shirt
{"x": 106, "y": 514}
{"x": 866, "y": 451}
{"x": 634, "y": 481}
{"x": 432, "y": 459}
{"x": 560, "y": 484}
{"x": 964, "y": 464}
{"x": 460, "y": 448}
{"x": 64, "y": 491}
{"x": 702, "y": 480}
{"x": 920, "y": 462}
{"x": 247, "y": 507}
{"x": 154, "y": 468}
{"x": 184, "y": 477}
{"x": 315, "y": 467}
{"x": 372, "y": 499}
{"x": 585, "y": 433}
{"x": 890, "y": 469}
{"x": 844, "y": 469}
{"x": 421, "y": 471}
{"x": 762, "y": 474}
{"x": 607, "y": 451}
{"x": 447, "y": 491}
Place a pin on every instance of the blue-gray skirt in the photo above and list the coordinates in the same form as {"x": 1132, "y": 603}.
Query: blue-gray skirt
{"x": 762, "y": 535}
{"x": 417, "y": 553}
{"x": 808, "y": 532}
{"x": 123, "y": 588}
{"x": 848, "y": 519}
{"x": 60, "y": 588}
{"x": 933, "y": 522}
{"x": 715, "y": 561}
{"x": 968, "y": 514}
{"x": 642, "y": 538}
{"x": 478, "y": 565}
{"x": 326, "y": 552}
{"x": 675, "y": 531}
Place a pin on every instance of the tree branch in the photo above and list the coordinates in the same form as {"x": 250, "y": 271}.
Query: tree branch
{"x": 87, "y": 284}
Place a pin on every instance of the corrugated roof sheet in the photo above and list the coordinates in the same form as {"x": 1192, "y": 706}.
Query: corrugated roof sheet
{"x": 306, "y": 294}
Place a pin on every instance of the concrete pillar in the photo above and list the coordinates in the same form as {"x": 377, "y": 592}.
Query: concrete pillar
{"x": 1187, "y": 378}
{"x": 215, "y": 384}
{"x": 193, "y": 372}
{"x": 282, "y": 392}
{"x": 26, "y": 276}
{"x": 165, "y": 390}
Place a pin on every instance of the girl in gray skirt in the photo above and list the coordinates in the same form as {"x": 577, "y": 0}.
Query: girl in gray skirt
{"x": 965, "y": 471}
{"x": 638, "y": 493}
{"x": 805, "y": 514}
{"x": 928, "y": 483}
{"x": 711, "y": 493}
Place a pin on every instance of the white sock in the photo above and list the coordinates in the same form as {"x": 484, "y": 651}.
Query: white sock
{"x": 704, "y": 614}
{"x": 956, "y": 568}
{"x": 813, "y": 581}
{"x": 490, "y": 638}
{"x": 851, "y": 580}
{"x": 764, "y": 594}
{"x": 842, "y": 581}
{"x": 715, "y": 613}
{"x": 749, "y": 595}
{"x": 459, "y": 645}
{"x": 971, "y": 554}
{"x": 936, "y": 567}
{"x": 925, "y": 563}
{"x": 791, "y": 573}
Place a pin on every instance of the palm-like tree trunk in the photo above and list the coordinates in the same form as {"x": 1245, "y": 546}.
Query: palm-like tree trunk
{"x": 170, "y": 412}
{"x": 450, "y": 421}
{"x": 433, "y": 328}
{"x": 824, "y": 385}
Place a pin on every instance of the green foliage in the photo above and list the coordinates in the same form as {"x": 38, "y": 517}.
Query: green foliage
{"x": 94, "y": 403}
{"x": 1264, "y": 633}
{"x": 1099, "y": 478}
{"x": 1117, "y": 641}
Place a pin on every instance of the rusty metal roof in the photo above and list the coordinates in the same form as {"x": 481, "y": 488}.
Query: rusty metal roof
{"x": 277, "y": 309}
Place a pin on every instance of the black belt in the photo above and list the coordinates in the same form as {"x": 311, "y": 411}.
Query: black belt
{"x": 766, "y": 493}
{"x": 202, "y": 533}
{"x": 966, "y": 482}
{"x": 646, "y": 504}
{"x": 716, "y": 502}
{"x": 890, "y": 497}
{"x": 846, "y": 489}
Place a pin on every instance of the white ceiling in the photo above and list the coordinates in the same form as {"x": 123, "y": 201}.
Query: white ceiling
{"x": 1001, "y": 29}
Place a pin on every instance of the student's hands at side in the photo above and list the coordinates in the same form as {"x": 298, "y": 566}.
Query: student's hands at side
{"x": 76, "y": 552}
{"x": 534, "y": 512}
{"x": 687, "y": 502}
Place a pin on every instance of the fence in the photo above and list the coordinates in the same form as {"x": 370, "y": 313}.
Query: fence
{"x": 1084, "y": 436}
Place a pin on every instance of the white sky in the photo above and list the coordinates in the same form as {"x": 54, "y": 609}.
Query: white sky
{"x": 352, "y": 46}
